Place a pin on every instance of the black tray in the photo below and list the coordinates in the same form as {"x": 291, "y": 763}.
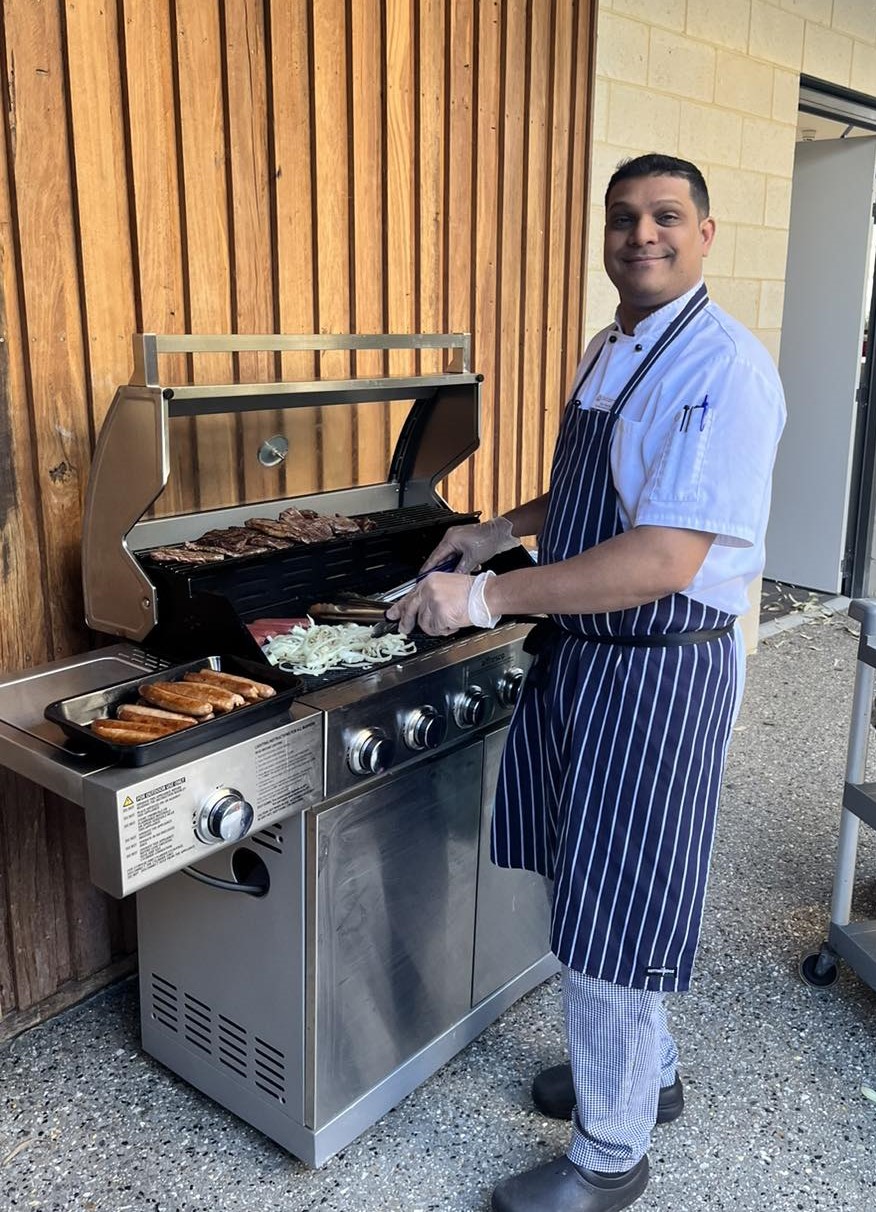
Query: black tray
{"x": 73, "y": 715}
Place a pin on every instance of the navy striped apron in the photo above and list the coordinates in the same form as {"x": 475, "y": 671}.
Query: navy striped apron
{"x": 611, "y": 773}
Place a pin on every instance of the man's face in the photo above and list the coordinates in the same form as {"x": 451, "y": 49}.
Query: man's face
{"x": 655, "y": 241}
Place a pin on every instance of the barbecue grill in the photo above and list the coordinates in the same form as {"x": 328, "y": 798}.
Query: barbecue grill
{"x": 319, "y": 925}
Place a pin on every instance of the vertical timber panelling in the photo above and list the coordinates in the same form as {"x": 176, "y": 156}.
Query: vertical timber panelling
{"x": 459, "y": 205}
{"x": 431, "y": 58}
{"x": 255, "y": 166}
{"x": 154, "y": 185}
{"x": 558, "y": 218}
{"x": 367, "y": 268}
{"x": 402, "y": 265}
{"x": 505, "y": 396}
{"x": 250, "y": 183}
{"x": 485, "y": 241}
{"x": 532, "y": 400}
{"x": 331, "y": 146}
{"x": 205, "y": 208}
{"x": 577, "y": 200}
{"x": 291, "y": 87}
{"x": 50, "y": 286}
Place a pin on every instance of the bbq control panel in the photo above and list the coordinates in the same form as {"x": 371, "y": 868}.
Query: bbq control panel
{"x": 405, "y": 714}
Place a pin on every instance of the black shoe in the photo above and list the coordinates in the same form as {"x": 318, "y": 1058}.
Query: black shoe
{"x": 561, "y": 1186}
{"x": 553, "y": 1092}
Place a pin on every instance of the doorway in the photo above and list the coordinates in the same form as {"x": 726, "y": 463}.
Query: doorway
{"x": 820, "y": 537}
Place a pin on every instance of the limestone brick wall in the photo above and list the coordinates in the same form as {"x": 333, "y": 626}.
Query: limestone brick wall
{"x": 717, "y": 82}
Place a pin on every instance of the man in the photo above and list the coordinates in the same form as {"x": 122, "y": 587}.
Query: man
{"x": 651, "y": 531}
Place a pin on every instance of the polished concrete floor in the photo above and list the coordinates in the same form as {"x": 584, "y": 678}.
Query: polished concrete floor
{"x": 776, "y": 1119}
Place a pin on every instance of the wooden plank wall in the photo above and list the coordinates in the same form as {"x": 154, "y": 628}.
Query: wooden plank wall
{"x": 257, "y": 166}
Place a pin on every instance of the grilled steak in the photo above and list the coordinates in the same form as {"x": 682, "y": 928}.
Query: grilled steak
{"x": 184, "y": 555}
{"x": 342, "y": 525}
{"x": 258, "y": 535}
{"x": 305, "y": 525}
{"x": 235, "y": 540}
{"x": 276, "y": 530}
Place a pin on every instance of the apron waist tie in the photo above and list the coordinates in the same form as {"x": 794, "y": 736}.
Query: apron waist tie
{"x": 547, "y": 633}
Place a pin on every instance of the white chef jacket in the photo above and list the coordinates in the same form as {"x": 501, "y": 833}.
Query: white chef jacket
{"x": 694, "y": 445}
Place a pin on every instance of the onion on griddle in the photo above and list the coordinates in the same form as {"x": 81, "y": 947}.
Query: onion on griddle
{"x": 321, "y": 647}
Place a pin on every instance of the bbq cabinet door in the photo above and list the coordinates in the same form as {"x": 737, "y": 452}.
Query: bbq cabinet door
{"x": 513, "y": 907}
{"x": 391, "y": 908}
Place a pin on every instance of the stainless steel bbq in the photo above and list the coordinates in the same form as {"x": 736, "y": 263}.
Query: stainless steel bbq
{"x": 319, "y": 925}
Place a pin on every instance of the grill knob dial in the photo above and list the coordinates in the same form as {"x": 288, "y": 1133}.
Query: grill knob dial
{"x": 508, "y": 689}
{"x": 424, "y": 729}
{"x": 473, "y": 708}
{"x": 225, "y": 816}
{"x": 370, "y": 752}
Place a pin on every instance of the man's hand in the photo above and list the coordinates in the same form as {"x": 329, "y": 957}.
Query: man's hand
{"x": 473, "y": 544}
{"x": 438, "y": 605}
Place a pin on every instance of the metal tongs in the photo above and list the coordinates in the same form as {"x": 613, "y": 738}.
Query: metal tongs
{"x": 389, "y": 626}
{"x": 372, "y": 610}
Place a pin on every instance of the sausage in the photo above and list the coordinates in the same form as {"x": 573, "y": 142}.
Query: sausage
{"x": 250, "y": 690}
{"x": 138, "y": 713}
{"x": 173, "y": 697}
{"x": 220, "y": 698}
{"x": 130, "y": 732}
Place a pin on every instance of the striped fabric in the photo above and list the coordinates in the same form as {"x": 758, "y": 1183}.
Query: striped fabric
{"x": 621, "y": 1054}
{"x": 611, "y": 773}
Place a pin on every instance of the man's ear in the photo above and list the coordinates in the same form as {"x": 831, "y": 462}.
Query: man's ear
{"x": 707, "y": 232}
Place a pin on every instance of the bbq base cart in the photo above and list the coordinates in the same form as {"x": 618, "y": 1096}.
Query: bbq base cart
{"x": 854, "y": 942}
{"x": 319, "y": 925}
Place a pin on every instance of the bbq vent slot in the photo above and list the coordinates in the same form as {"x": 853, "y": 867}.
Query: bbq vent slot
{"x": 232, "y": 1046}
{"x": 270, "y": 1070}
{"x": 253, "y": 1060}
{"x": 270, "y": 838}
{"x": 165, "y": 1002}
{"x": 198, "y": 1025}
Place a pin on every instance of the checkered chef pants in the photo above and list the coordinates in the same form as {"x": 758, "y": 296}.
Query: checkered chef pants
{"x": 621, "y": 1053}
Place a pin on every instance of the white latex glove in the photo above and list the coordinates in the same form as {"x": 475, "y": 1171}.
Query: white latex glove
{"x": 444, "y": 603}
{"x": 474, "y": 544}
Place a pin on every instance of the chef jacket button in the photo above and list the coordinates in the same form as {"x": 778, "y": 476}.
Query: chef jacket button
{"x": 638, "y": 349}
{"x": 612, "y": 339}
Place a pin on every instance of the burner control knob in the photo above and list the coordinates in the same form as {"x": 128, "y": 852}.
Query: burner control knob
{"x": 370, "y": 753}
{"x": 225, "y": 816}
{"x": 473, "y": 708}
{"x": 508, "y": 689}
{"x": 424, "y": 729}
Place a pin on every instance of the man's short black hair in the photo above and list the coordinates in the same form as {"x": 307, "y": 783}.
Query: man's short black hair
{"x": 656, "y": 165}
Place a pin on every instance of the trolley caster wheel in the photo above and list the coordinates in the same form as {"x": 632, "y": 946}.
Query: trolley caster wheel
{"x": 817, "y": 969}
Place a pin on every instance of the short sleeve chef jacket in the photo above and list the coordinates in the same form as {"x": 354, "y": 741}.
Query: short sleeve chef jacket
{"x": 694, "y": 445}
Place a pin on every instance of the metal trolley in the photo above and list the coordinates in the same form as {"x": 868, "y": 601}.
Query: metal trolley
{"x": 855, "y": 942}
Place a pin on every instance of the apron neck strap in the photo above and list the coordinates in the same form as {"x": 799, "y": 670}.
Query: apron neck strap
{"x": 693, "y": 307}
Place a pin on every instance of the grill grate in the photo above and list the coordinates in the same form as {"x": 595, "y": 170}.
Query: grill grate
{"x": 204, "y": 609}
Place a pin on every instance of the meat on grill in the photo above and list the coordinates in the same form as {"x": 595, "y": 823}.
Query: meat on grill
{"x": 306, "y": 526}
{"x": 342, "y": 525}
{"x": 258, "y": 535}
{"x": 184, "y": 555}
{"x": 276, "y": 530}
{"x": 234, "y": 540}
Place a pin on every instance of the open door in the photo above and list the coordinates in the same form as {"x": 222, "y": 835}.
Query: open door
{"x": 826, "y": 287}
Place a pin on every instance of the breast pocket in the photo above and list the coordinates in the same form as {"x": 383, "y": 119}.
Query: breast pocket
{"x": 680, "y": 467}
